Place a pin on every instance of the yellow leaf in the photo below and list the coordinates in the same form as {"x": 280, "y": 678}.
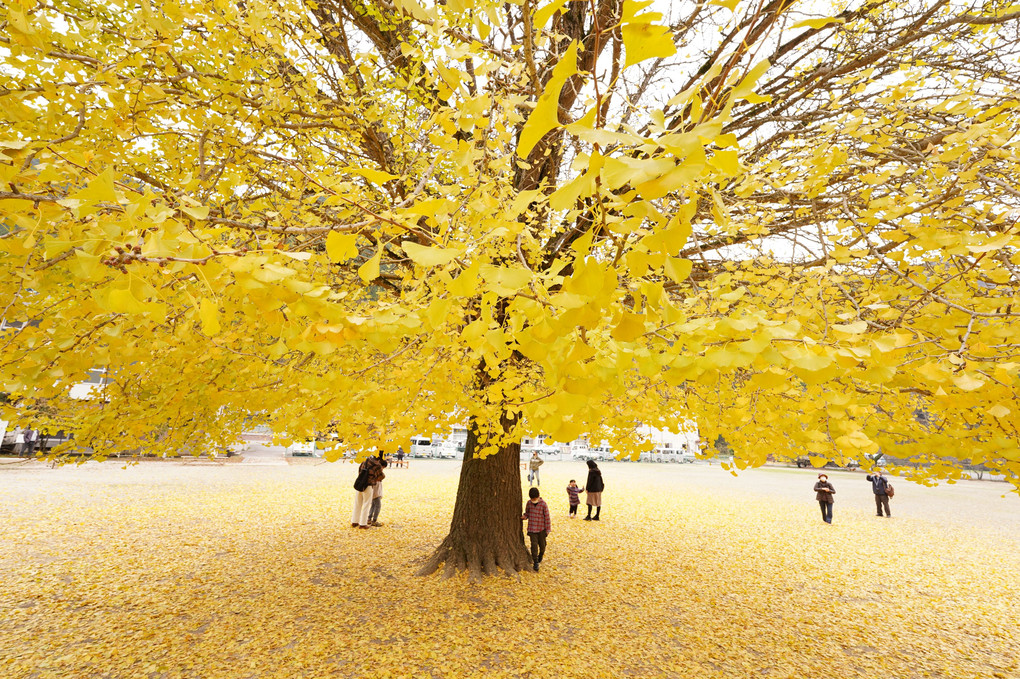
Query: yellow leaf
{"x": 437, "y": 312}
{"x": 374, "y": 176}
{"x": 426, "y": 256}
{"x": 466, "y": 283}
{"x": 620, "y": 171}
{"x": 414, "y": 9}
{"x": 818, "y": 23}
{"x": 566, "y": 196}
{"x": 122, "y": 301}
{"x": 996, "y": 243}
{"x": 645, "y": 40}
{"x": 505, "y": 281}
{"x": 855, "y": 328}
{"x": 198, "y": 212}
{"x": 727, "y": 161}
{"x": 745, "y": 90}
{"x": 86, "y": 265}
{"x": 806, "y": 359}
{"x": 731, "y": 5}
{"x": 545, "y": 116}
{"x": 678, "y": 269}
{"x": 857, "y": 441}
{"x": 369, "y": 271}
{"x": 209, "y": 315}
{"x": 967, "y": 381}
{"x": 684, "y": 174}
{"x": 544, "y": 13}
{"x": 99, "y": 190}
{"x": 999, "y": 410}
{"x": 341, "y": 246}
{"x": 630, "y": 327}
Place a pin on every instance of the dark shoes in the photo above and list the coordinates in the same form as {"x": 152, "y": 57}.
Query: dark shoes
{"x": 536, "y": 566}
{"x": 587, "y": 518}
{"x": 595, "y": 518}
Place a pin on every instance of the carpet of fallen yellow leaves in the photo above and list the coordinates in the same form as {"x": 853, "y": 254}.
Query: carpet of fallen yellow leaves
{"x": 174, "y": 570}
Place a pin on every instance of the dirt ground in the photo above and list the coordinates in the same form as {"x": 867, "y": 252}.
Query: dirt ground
{"x": 227, "y": 570}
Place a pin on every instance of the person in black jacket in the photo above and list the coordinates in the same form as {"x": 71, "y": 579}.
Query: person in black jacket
{"x": 880, "y": 486}
{"x": 593, "y": 491}
{"x": 823, "y": 493}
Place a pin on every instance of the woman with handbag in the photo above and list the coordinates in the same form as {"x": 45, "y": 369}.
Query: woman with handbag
{"x": 369, "y": 473}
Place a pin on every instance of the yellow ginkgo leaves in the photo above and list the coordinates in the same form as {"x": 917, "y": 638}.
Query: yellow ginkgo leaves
{"x": 341, "y": 247}
{"x": 429, "y": 256}
{"x": 148, "y": 570}
{"x": 545, "y": 116}
{"x": 209, "y": 315}
{"x": 643, "y": 38}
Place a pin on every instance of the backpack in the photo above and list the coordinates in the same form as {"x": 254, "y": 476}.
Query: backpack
{"x": 361, "y": 483}
{"x": 889, "y": 489}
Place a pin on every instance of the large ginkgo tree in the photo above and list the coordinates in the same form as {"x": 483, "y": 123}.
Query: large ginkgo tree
{"x": 792, "y": 223}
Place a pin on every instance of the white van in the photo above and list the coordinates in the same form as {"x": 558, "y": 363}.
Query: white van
{"x": 421, "y": 446}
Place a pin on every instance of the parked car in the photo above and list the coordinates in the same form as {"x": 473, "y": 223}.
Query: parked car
{"x": 302, "y": 449}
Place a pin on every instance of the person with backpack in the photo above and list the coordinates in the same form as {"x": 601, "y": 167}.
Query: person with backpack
{"x": 369, "y": 474}
{"x": 883, "y": 491}
{"x": 593, "y": 491}
{"x": 534, "y": 464}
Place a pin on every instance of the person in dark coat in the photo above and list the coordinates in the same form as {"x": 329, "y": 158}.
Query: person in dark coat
{"x": 593, "y": 491}
{"x": 880, "y": 486}
{"x": 823, "y": 493}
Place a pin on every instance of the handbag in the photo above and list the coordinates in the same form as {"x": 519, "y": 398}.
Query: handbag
{"x": 889, "y": 490}
{"x": 361, "y": 483}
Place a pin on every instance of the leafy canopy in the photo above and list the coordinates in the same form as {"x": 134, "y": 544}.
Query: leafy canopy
{"x": 381, "y": 218}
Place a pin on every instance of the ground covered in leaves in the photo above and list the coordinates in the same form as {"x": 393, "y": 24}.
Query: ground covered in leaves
{"x": 174, "y": 570}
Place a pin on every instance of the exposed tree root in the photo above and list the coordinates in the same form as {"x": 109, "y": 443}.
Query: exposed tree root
{"x": 477, "y": 560}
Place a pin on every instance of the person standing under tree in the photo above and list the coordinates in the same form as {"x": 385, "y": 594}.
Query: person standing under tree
{"x": 536, "y": 513}
{"x": 535, "y": 463}
{"x": 823, "y": 493}
{"x": 880, "y": 486}
{"x": 372, "y": 468}
{"x": 31, "y": 441}
{"x": 373, "y": 512}
{"x": 593, "y": 491}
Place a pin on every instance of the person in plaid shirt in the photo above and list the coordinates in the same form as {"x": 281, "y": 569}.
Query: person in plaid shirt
{"x": 536, "y": 512}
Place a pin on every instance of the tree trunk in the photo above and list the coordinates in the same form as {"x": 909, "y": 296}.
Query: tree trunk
{"x": 486, "y": 532}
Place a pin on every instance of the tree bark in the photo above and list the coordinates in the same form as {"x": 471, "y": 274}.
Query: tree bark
{"x": 486, "y": 532}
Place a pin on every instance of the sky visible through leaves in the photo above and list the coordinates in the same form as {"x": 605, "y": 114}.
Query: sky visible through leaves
{"x": 203, "y": 570}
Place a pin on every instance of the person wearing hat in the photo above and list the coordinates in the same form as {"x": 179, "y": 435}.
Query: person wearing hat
{"x": 823, "y": 493}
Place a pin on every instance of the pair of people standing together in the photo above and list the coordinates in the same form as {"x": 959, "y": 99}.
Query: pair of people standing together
{"x": 368, "y": 486}
{"x": 824, "y": 492}
{"x": 593, "y": 493}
